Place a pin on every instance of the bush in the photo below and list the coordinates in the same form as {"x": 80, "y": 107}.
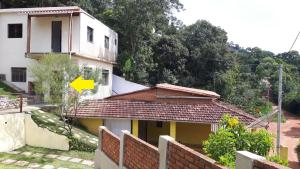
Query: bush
{"x": 278, "y": 160}
{"x": 233, "y": 136}
{"x": 80, "y": 145}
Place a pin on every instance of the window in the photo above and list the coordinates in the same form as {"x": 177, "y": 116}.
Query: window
{"x": 116, "y": 42}
{"x": 159, "y": 124}
{"x": 87, "y": 73}
{"x": 2, "y": 77}
{"x": 18, "y": 74}
{"x": 106, "y": 42}
{"x": 105, "y": 76}
{"x": 90, "y": 34}
{"x": 15, "y": 31}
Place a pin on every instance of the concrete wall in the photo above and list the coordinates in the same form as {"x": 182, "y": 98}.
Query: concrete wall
{"x": 42, "y": 137}
{"x": 247, "y": 160}
{"x": 42, "y": 27}
{"x": 96, "y": 48}
{"x": 12, "y": 131}
{"x": 12, "y": 50}
{"x": 103, "y": 91}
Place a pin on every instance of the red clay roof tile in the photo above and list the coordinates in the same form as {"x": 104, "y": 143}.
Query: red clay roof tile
{"x": 141, "y": 110}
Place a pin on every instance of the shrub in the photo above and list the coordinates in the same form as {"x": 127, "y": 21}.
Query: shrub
{"x": 261, "y": 142}
{"x": 278, "y": 160}
{"x": 233, "y": 136}
{"x": 80, "y": 145}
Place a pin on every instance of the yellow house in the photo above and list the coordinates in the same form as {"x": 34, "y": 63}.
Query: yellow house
{"x": 188, "y": 115}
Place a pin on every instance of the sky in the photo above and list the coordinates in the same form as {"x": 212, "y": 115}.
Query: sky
{"x": 268, "y": 24}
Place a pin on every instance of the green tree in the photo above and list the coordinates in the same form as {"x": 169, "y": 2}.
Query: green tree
{"x": 138, "y": 22}
{"x": 52, "y": 74}
{"x": 169, "y": 56}
{"x": 207, "y": 46}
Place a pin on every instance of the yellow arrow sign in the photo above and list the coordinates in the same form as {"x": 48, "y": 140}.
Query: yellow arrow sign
{"x": 80, "y": 84}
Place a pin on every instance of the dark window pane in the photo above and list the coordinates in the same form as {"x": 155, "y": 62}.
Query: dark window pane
{"x": 18, "y": 74}
{"x": 15, "y": 30}
{"x": 105, "y": 76}
{"x": 87, "y": 73}
{"x": 106, "y": 42}
{"x": 159, "y": 124}
{"x": 90, "y": 34}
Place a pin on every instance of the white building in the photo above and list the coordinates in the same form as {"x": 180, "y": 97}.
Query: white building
{"x": 26, "y": 34}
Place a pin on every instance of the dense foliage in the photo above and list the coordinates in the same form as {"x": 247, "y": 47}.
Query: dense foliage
{"x": 233, "y": 136}
{"x": 155, "y": 47}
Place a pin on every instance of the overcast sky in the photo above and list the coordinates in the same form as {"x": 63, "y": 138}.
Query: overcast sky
{"x": 269, "y": 24}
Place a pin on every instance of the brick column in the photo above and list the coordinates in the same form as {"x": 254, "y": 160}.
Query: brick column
{"x": 98, "y": 150}
{"x": 121, "y": 157}
{"x": 101, "y": 128}
{"x": 163, "y": 150}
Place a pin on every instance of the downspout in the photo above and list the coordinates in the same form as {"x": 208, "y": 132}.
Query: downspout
{"x": 70, "y": 34}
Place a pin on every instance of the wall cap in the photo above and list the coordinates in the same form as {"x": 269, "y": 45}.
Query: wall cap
{"x": 251, "y": 155}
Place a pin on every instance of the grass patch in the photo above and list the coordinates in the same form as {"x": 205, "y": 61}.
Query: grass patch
{"x": 6, "y": 90}
{"x": 80, "y": 140}
{"x": 9, "y": 166}
{"x": 71, "y": 153}
{"x": 44, "y": 161}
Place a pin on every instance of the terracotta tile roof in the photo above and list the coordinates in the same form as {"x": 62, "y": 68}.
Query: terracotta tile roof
{"x": 167, "y": 86}
{"x": 125, "y": 109}
{"x": 187, "y": 89}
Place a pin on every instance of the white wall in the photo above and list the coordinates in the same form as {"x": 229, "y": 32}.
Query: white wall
{"x": 117, "y": 125}
{"x": 42, "y": 27}
{"x": 41, "y": 137}
{"x": 12, "y": 131}
{"x": 96, "y": 48}
{"x": 103, "y": 91}
{"x": 18, "y": 129}
{"x": 12, "y": 51}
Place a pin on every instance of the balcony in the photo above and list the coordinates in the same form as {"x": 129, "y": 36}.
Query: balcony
{"x": 63, "y": 31}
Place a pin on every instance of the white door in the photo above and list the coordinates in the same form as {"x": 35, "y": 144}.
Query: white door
{"x": 117, "y": 125}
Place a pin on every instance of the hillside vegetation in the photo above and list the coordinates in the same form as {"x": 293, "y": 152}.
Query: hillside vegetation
{"x": 155, "y": 47}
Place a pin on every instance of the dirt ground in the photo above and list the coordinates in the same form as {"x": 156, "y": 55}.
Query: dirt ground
{"x": 290, "y": 135}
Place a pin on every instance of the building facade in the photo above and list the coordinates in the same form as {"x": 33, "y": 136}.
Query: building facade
{"x": 27, "y": 34}
{"x": 189, "y": 115}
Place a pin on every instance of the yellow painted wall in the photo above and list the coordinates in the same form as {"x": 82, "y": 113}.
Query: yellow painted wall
{"x": 135, "y": 128}
{"x": 192, "y": 134}
{"x": 92, "y": 125}
{"x": 154, "y": 132}
{"x": 173, "y": 129}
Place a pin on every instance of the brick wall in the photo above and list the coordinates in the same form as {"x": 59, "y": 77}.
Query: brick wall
{"x": 139, "y": 154}
{"x": 182, "y": 157}
{"x": 264, "y": 164}
{"x": 110, "y": 145}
